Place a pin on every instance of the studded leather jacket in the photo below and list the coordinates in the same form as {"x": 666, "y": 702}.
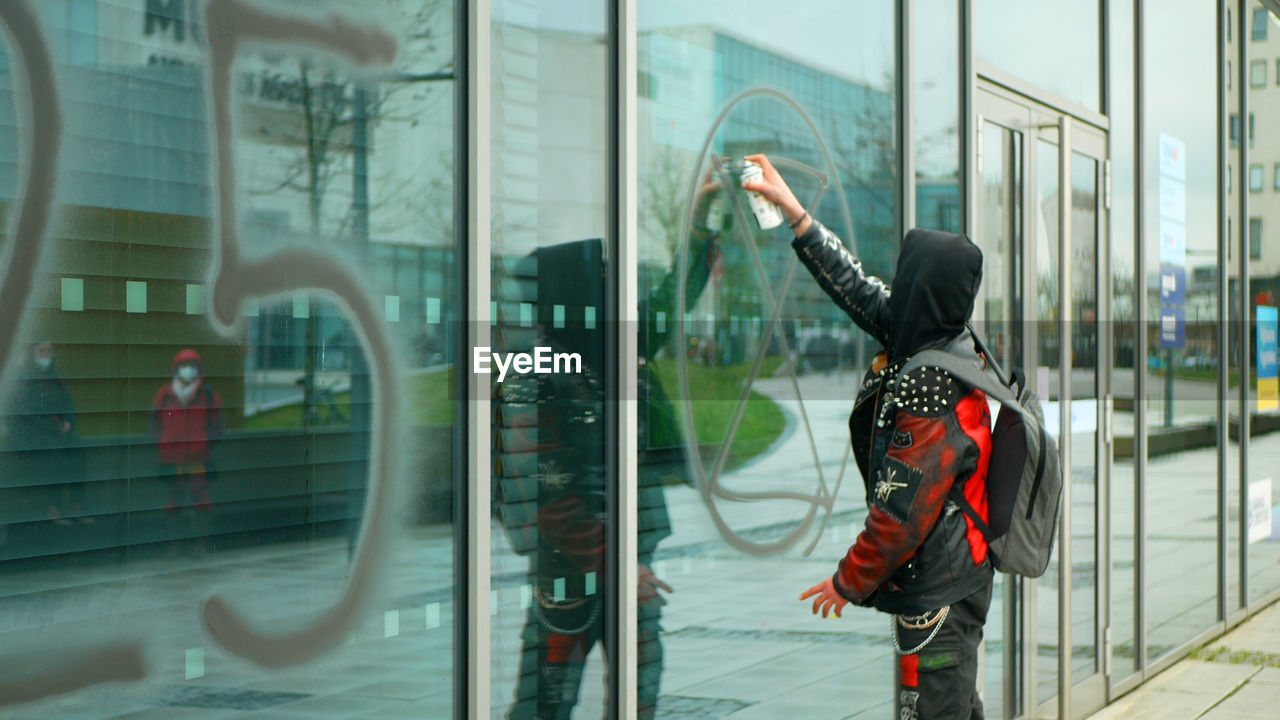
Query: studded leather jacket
{"x": 914, "y": 438}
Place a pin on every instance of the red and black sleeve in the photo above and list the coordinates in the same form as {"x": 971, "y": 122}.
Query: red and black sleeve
{"x": 927, "y": 453}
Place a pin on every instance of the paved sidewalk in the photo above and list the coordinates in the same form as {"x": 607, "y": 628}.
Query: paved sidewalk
{"x": 1237, "y": 677}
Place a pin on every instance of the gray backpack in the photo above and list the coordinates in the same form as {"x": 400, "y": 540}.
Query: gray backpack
{"x": 1024, "y": 477}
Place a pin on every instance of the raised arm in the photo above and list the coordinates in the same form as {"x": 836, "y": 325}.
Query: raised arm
{"x": 863, "y": 297}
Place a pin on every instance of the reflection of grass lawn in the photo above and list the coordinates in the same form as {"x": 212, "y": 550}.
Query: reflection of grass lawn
{"x": 715, "y": 392}
{"x": 715, "y": 397}
{"x": 427, "y": 396}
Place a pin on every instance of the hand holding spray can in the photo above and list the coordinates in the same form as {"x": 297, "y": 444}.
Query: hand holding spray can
{"x": 767, "y": 214}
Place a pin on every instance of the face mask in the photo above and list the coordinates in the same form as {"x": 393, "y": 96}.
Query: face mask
{"x": 44, "y": 362}
{"x": 187, "y": 373}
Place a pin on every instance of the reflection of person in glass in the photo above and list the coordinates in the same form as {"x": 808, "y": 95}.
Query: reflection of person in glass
{"x": 566, "y": 537}
{"x": 41, "y": 427}
{"x": 918, "y": 557}
{"x": 186, "y": 421}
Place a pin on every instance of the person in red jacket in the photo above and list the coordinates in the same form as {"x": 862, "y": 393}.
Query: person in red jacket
{"x": 186, "y": 421}
{"x": 920, "y": 440}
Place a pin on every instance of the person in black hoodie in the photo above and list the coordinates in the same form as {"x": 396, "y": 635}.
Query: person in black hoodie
{"x": 915, "y": 438}
{"x": 43, "y": 437}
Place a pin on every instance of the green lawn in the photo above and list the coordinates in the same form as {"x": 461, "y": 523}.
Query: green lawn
{"x": 715, "y": 397}
{"x": 428, "y": 397}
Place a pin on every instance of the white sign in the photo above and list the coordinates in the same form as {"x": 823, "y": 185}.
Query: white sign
{"x": 1173, "y": 242}
{"x": 1173, "y": 157}
{"x": 1259, "y": 510}
{"x": 1173, "y": 199}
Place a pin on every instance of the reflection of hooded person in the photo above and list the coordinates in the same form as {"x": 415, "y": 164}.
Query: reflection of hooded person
{"x": 557, "y": 423}
{"x": 186, "y": 420}
{"x": 916, "y": 439}
{"x": 43, "y": 436}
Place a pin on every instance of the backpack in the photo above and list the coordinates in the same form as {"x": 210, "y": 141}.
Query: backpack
{"x": 1024, "y": 475}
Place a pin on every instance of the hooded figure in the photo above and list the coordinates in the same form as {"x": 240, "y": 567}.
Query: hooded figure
{"x": 186, "y": 420}
{"x": 918, "y": 439}
{"x": 43, "y": 436}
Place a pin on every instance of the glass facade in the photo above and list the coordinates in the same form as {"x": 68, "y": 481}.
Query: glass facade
{"x": 242, "y": 471}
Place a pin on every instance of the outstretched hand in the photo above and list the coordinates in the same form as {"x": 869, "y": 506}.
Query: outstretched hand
{"x": 825, "y": 598}
{"x": 776, "y": 191}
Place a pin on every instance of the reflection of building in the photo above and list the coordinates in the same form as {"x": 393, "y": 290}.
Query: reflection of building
{"x": 132, "y": 227}
{"x": 691, "y": 74}
{"x": 1261, "y": 180}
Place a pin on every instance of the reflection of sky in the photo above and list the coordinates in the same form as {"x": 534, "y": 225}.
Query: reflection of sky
{"x": 1180, "y": 97}
{"x": 1052, "y": 45}
{"x": 937, "y": 85}
{"x": 824, "y": 34}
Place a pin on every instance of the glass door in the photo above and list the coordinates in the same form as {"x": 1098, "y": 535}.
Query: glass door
{"x": 1033, "y": 191}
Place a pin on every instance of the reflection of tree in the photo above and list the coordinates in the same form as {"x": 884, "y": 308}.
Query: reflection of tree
{"x": 337, "y": 115}
{"x": 662, "y": 202}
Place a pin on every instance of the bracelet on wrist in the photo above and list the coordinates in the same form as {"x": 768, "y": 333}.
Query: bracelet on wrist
{"x": 798, "y": 220}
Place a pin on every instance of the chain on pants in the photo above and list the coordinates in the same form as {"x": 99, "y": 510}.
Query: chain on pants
{"x": 939, "y": 682}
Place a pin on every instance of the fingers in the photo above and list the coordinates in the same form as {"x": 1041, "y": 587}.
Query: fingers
{"x": 762, "y": 161}
{"x": 811, "y": 592}
{"x": 662, "y": 585}
{"x": 757, "y": 186}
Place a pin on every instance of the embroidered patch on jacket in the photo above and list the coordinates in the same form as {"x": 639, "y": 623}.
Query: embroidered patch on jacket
{"x": 895, "y": 488}
{"x": 901, "y": 440}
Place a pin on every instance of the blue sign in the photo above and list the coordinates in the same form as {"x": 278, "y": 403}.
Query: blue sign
{"x": 1173, "y": 327}
{"x": 1267, "y": 345}
{"x": 1173, "y": 284}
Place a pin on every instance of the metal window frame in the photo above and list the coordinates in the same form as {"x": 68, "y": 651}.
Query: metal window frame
{"x": 627, "y": 169}
{"x": 1224, "y": 315}
{"x": 479, "y": 412}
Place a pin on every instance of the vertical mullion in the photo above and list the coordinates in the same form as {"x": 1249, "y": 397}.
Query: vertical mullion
{"x": 1064, "y": 414}
{"x": 1242, "y": 67}
{"x": 1223, "y": 315}
{"x": 478, "y": 260}
{"x": 627, "y": 181}
{"x": 906, "y": 111}
{"x": 1140, "y": 371}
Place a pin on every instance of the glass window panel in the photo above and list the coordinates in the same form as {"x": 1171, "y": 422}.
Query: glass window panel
{"x": 1258, "y": 73}
{"x": 1258, "y": 339}
{"x": 710, "y": 346}
{"x": 1054, "y": 46}
{"x": 1180, "y": 241}
{"x": 1049, "y": 342}
{"x": 132, "y": 492}
{"x": 1255, "y": 177}
{"x": 551, "y": 477}
{"x": 936, "y": 114}
{"x": 1124, "y": 341}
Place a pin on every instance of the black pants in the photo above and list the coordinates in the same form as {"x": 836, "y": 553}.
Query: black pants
{"x": 940, "y": 682}
{"x": 552, "y": 663}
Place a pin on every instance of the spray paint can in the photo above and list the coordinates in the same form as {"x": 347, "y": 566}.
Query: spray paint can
{"x": 768, "y": 216}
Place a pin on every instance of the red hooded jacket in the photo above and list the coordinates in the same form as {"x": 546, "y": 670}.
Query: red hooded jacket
{"x": 184, "y": 434}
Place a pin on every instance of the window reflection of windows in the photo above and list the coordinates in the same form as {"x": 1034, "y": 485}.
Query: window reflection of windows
{"x": 1235, "y": 130}
{"x": 1255, "y": 238}
{"x": 1258, "y": 73}
{"x": 1255, "y": 178}
{"x": 1250, "y": 129}
{"x": 1260, "y": 23}
{"x": 1275, "y": 177}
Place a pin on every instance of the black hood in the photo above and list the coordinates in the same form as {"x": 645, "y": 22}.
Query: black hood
{"x": 933, "y": 291}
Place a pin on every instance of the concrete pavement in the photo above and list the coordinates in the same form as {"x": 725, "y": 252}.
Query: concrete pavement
{"x": 1236, "y": 677}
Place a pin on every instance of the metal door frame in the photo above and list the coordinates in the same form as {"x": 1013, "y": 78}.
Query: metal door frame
{"x": 1001, "y": 105}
